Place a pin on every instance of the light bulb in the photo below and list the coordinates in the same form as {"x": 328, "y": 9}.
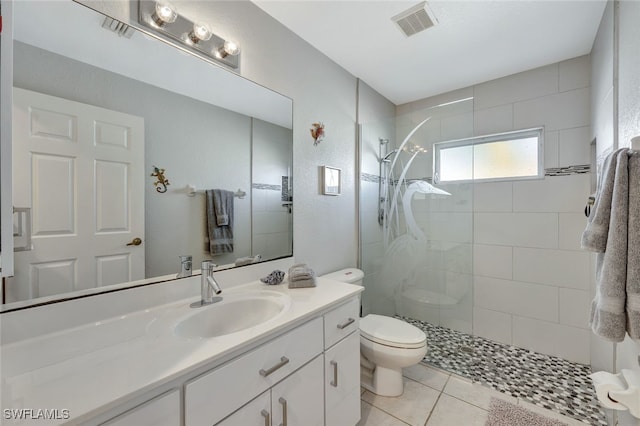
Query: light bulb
{"x": 200, "y": 32}
{"x": 229, "y": 48}
{"x": 165, "y": 13}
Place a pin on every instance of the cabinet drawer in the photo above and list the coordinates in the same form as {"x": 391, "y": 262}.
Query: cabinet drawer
{"x": 214, "y": 395}
{"x": 340, "y": 322}
{"x": 163, "y": 410}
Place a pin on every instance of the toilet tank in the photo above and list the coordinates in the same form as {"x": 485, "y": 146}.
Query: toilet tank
{"x": 348, "y": 275}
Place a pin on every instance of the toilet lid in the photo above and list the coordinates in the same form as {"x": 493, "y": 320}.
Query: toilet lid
{"x": 391, "y": 332}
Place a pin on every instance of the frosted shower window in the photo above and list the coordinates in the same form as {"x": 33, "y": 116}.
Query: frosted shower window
{"x": 507, "y": 156}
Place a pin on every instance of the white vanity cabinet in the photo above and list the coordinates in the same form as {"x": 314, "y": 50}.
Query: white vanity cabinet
{"x": 306, "y": 375}
{"x": 309, "y": 376}
{"x": 342, "y": 365}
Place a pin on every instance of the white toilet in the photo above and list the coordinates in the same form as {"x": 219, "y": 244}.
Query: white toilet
{"x": 387, "y": 345}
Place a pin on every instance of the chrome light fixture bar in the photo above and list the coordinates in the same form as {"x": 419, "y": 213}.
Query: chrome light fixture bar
{"x": 163, "y": 18}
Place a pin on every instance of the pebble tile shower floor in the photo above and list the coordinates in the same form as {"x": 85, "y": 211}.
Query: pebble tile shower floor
{"x": 550, "y": 382}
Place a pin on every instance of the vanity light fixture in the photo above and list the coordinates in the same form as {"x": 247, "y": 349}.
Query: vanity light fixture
{"x": 162, "y": 18}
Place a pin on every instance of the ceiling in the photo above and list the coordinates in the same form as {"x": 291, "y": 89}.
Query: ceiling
{"x": 475, "y": 41}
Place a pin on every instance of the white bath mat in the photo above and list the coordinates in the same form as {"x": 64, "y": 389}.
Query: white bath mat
{"x": 503, "y": 413}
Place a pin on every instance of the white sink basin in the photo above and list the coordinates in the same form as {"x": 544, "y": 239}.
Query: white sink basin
{"x": 233, "y": 314}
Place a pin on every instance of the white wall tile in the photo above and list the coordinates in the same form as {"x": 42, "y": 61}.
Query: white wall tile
{"x": 492, "y": 325}
{"x": 560, "y": 111}
{"x": 453, "y": 226}
{"x": 458, "y": 318}
{"x": 570, "y": 228}
{"x": 460, "y": 200}
{"x": 422, "y": 104}
{"x": 575, "y": 73}
{"x": 562, "y": 268}
{"x": 575, "y": 306}
{"x": 535, "y": 230}
{"x": 552, "y": 194}
{"x": 493, "y": 228}
{"x": 457, "y": 126}
{"x": 458, "y": 258}
{"x": 551, "y": 149}
{"x": 574, "y": 146}
{"x": 493, "y": 261}
{"x": 554, "y": 339}
{"x": 525, "y": 85}
{"x": 530, "y": 300}
{"x": 493, "y": 196}
{"x": 493, "y": 120}
{"x": 516, "y": 229}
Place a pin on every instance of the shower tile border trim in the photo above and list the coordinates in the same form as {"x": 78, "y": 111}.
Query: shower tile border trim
{"x": 553, "y": 171}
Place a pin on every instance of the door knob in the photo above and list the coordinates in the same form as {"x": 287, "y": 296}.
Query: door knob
{"x": 135, "y": 242}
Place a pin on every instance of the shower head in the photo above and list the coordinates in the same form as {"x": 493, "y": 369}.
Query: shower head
{"x": 383, "y": 141}
{"x": 386, "y": 159}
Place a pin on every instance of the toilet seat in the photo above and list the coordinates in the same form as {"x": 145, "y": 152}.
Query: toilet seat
{"x": 391, "y": 332}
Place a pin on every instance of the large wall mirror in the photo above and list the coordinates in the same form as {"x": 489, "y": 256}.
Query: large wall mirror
{"x": 96, "y": 114}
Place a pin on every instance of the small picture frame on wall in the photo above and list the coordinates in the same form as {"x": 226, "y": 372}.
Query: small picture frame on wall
{"x": 331, "y": 181}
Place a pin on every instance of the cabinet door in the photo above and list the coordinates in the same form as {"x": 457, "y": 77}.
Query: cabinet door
{"x": 299, "y": 399}
{"x": 342, "y": 382}
{"x": 255, "y": 413}
{"x": 163, "y": 410}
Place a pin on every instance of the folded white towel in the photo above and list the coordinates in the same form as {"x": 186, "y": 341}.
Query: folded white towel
{"x": 301, "y": 275}
{"x": 301, "y": 271}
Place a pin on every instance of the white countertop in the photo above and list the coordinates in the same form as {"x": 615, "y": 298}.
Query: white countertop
{"x": 96, "y": 367}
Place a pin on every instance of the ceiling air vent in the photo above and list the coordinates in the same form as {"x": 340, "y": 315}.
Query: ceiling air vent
{"x": 120, "y": 28}
{"x": 416, "y": 19}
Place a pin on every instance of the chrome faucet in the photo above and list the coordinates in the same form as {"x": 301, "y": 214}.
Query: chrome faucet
{"x": 208, "y": 285}
{"x": 186, "y": 263}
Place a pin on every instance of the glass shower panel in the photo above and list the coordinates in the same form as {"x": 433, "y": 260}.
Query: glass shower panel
{"x": 420, "y": 267}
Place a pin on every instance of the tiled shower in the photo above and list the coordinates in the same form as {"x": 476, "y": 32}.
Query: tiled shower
{"x": 502, "y": 259}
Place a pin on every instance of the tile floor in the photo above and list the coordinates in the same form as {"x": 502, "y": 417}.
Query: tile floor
{"x": 434, "y": 397}
{"x": 546, "y": 381}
